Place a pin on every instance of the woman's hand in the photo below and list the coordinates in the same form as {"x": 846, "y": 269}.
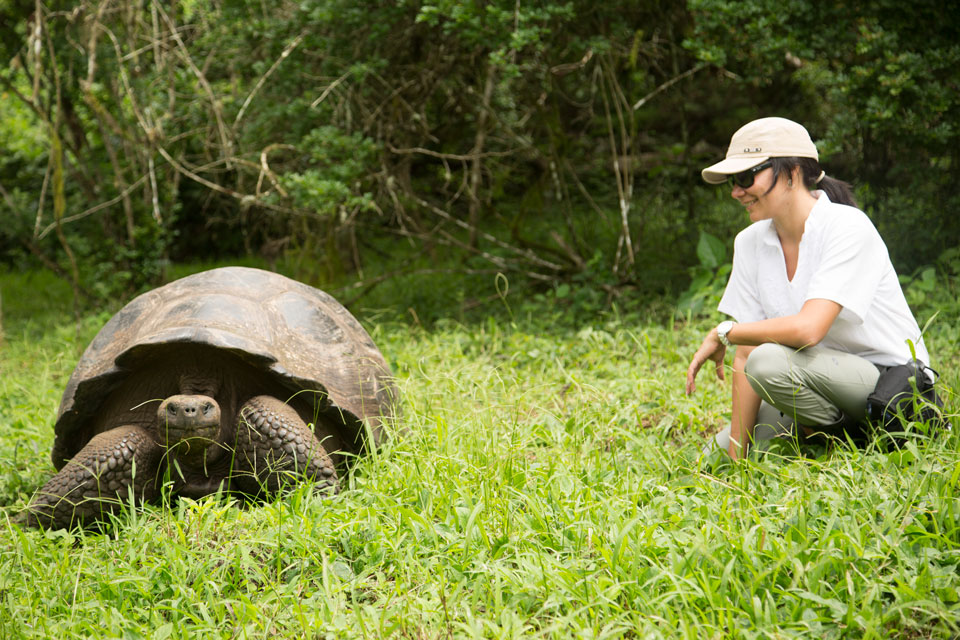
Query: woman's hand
{"x": 711, "y": 349}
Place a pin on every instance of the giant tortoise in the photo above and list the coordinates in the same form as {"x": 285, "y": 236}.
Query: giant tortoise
{"x": 232, "y": 379}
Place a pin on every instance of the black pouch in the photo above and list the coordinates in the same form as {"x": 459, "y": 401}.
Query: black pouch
{"x": 905, "y": 394}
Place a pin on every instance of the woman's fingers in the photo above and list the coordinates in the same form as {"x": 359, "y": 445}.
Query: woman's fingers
{"x": 718, "y": 360}
{"x": 698, "y": 359}
{"x": 711, "y": 349}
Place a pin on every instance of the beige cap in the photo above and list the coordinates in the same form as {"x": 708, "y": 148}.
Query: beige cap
{"x": 758, "y": 141}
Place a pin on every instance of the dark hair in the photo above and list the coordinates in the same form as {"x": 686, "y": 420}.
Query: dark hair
{"x": 837, "y": 190}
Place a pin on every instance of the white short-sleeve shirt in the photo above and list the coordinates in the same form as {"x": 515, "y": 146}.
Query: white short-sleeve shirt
{"x": 842, "y": 258}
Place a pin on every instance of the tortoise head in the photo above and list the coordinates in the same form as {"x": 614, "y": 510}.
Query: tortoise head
{"x": 188, "y": 425}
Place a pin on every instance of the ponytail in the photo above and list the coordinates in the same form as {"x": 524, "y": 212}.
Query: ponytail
{"x": 837, "y": 190}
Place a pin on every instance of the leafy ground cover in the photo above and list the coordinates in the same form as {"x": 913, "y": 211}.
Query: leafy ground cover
{"x": 545, "y": 481}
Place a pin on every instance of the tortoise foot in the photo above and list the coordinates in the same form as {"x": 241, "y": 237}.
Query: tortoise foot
{"x": 98, "y": 480}
{"x": 276, "y": 449}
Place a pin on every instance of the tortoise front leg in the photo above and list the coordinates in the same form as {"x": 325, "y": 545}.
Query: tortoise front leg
{"x": 275, "y": 448}
{"x": 98, "y": 479}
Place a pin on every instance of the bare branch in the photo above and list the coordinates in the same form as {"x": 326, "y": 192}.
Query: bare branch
{"x": 454, "y": 156}
{"x": 92, "y": 43}
{"x": 41, "y": 201}
{"x": 36, "y": 46}
{"x": 92, "y": 210}
{"x": 480, "y": 137}
{"x": 669, "y": 83}
{"x": 190, "y": 174}
{"x": 623, "y": 176}
{"x": 154, "y": 197}
{"x": 561, "y": 70}
{"x": 286, "y": 52}
{"x": 583, "y": 190}
{"x": 330, "y": 87}
{"x": 570, "y": 252}
{"x": 265, "y": 168}
{"x": 244, "y": 198}
{"x": 155, "y": 41}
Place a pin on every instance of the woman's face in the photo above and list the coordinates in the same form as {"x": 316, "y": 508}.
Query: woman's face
{"x": 760, "y": 204}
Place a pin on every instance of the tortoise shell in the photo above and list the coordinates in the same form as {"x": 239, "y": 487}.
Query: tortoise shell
{"x": 298, "y": 335}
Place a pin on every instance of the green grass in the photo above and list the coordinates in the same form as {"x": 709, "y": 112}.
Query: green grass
{"x": 547, "y": 484}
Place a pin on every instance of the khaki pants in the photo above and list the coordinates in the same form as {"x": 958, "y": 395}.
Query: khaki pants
{"x": 813, "y": 387}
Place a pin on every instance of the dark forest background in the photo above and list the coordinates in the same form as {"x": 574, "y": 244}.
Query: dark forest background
{"x": 552, "y": 145}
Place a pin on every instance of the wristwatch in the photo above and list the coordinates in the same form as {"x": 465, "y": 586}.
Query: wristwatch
{"x": 723, "y": 329}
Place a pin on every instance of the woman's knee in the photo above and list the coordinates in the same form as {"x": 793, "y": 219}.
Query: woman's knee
{"x": 768, "y": 365}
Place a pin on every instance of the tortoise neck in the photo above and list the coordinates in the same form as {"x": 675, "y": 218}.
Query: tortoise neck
{"x": 193, "y": 381}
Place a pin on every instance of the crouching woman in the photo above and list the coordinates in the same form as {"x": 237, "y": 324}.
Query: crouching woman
{"x": 816, "y": 304}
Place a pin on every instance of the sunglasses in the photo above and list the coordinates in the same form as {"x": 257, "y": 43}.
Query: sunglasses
{"x": 745, "y": 179}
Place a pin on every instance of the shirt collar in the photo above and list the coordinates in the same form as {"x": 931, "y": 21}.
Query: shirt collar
{"x": 816, "y": 217}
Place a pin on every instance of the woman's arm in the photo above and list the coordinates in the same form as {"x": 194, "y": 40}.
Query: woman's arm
{"x": 803, "y": 329}
{"x": 746, "y": 402}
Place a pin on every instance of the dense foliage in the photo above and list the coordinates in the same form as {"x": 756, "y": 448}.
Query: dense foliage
{"x": 555, "y": 142}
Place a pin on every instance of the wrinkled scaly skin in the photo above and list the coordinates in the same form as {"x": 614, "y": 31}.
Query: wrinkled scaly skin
{"x": 98, "y": 480}
{"x": 233, "y": 379}
{"x": 273, "y": 449}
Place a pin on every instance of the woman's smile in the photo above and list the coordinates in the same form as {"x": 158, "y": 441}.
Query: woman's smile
{"x": 749, "y": 199}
